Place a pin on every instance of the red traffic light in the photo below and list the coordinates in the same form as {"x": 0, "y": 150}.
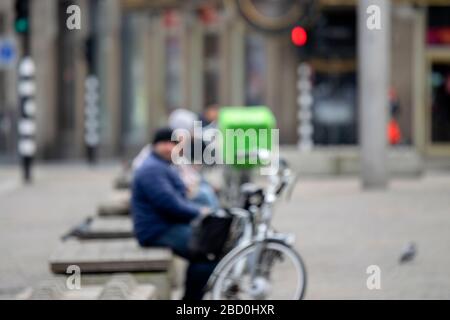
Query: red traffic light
{"x": 299, "y": 36}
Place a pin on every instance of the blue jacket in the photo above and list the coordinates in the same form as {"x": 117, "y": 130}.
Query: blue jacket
{"x": 159, "y": 200}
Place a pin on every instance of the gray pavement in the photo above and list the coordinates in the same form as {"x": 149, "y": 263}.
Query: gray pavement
{"x": 32, "y": 218}
{"x": 340, "y": 230}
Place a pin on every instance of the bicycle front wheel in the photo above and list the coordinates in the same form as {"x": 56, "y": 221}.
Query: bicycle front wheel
{"x": 261, "y": 271}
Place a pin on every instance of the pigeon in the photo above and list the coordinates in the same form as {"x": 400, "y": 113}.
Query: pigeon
{"x": 409, "y": 253}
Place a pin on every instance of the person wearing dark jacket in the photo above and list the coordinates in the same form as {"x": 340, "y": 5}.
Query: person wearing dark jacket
{"x": 162, "y": 212}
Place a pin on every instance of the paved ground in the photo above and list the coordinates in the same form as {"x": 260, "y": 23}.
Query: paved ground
{"x": 340, "y": 230}
{"x": 33, "y": 218}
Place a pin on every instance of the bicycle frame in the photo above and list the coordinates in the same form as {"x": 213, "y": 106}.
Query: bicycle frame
{"x": 255, "y": 234}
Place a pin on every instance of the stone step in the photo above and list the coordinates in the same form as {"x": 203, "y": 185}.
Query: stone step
{"x": 119, "y": 287}
{"x": 109, "y": 256}
{"x": 324, "y": 161}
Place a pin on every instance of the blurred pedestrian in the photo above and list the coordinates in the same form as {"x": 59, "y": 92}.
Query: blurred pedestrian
{"x": 210, "y": 116}
{"x": 394, "y": 131}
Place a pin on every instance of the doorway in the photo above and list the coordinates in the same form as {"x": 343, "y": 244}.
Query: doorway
{"x": 437, "y": 116}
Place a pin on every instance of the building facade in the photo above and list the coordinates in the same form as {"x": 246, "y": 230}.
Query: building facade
{"x": 154, "y": 56}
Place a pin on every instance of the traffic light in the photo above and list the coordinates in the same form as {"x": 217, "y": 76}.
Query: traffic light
{"x": 299, "y": 36}
{"x": 89, "y": 50}
{"x": 22, "y": 21}
{"x": 303, "y": 40}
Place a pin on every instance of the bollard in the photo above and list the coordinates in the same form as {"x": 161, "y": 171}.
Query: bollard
{"x": 305, "y": 103}
{"x": 91, "y": 113}
{"x": 27, "y": 124}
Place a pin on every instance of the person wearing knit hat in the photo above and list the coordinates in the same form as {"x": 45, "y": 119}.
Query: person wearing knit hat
{"x": 162, "y": 211}
{"x": 182, "y": 119}
{"x": 163, "y": 135}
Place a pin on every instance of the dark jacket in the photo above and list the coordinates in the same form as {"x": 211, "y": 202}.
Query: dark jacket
{"x": 159, "y": 200}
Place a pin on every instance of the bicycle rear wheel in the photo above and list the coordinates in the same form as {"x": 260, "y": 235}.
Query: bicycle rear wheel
{"x": 261, "y": 271}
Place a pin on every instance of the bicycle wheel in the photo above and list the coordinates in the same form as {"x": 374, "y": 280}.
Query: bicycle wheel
{"x": 261, "y": 271}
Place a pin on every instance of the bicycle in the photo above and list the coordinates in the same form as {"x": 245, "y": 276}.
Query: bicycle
{"x": 249, "y": 270}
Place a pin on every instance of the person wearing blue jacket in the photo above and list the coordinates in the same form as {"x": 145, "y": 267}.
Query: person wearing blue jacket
{"x": 162, "y": 213}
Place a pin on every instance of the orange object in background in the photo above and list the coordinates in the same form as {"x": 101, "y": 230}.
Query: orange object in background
{"x": 394, "y": 132}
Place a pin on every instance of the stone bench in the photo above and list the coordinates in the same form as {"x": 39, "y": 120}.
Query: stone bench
{"x": 117, "y": 204}
{"x": 123, "y": 181}
{"x": 98, "y": 259}
{"x": 103, "y": 228}
{"x": 119, "y": 287}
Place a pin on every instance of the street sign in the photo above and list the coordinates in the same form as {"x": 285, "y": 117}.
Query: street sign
{"x": 8, "y": 53}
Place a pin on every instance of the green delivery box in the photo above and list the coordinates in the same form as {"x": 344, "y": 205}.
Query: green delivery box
{"x": 245, "y": 130}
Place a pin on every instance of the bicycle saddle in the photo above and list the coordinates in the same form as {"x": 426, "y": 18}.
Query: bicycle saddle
{"x": 252, "y": 195}
{"x": 249, "y": 189}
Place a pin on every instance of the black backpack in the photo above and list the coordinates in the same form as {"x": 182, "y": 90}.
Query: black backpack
{"x": 209, "y": 237}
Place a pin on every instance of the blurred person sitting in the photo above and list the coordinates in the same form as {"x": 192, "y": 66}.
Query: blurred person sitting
{"x": 199, "y": 190}
{"x": 162, "y": 213}
{"x": 178, "y": 119}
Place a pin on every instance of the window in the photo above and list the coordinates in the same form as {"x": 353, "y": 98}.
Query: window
{"x": 255, "y": 75}
{"x": 174, "y": 62}
{"x": 135, "y": 103}
{"x": 440, "y": 108}
{"x": 211, "y": 69}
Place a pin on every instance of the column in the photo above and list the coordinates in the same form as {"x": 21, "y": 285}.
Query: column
{"x": 109, "y": 21}
{"x": 374, "y": 60}
{"x": 44, "y": 51}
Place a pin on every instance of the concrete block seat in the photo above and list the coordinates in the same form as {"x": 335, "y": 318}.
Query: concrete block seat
{"x": 117, "y": 204}
{"x": 119, "y": 287}
{"x": 123, "y": 181}
{"x": 98, "y": 259}
{"x": 103, "y": 228}
{"x": 100, "y": 256}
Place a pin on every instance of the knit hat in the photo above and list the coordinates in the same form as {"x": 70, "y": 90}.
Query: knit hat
{"x": 182, "y": 119}
{"x": 163, "y": 135}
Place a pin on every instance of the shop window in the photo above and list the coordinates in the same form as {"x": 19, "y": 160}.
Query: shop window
{"x": 440, "y": 107}
{"x": 333, "y": 58}
{"x": 334, "y": 109}
{"x": 438, "y": 32}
